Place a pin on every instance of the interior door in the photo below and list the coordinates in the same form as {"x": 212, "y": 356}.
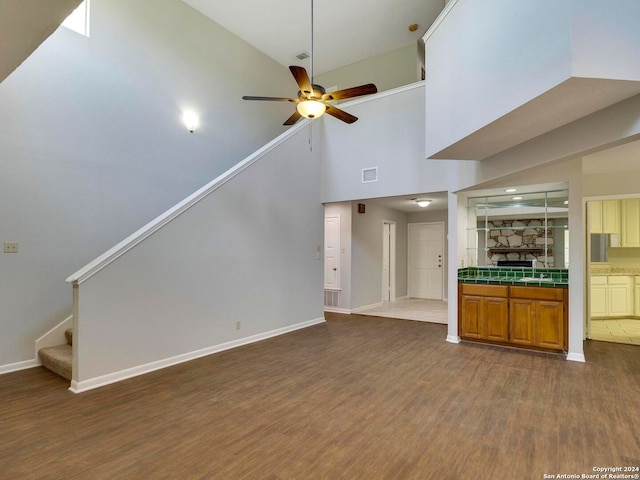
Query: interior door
{"x": 332, "y": 252}
{"x": 425, "y": 260}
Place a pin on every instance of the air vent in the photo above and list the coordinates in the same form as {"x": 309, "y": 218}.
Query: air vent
{"x": 369, "y": 175}
{"x": 302, "y": 55}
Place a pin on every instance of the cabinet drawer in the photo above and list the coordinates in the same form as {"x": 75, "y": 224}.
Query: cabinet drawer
{"x": 538, "y": 293}
{"x": 485, "y": 290}
{"x": 619, "y": 280}
{"x": 598, "y": 280}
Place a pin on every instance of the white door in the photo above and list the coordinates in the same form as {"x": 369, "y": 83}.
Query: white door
{"x": 425, "y": 260}
{"x": 388, "y": 261}
{"x": 332, "y": 252}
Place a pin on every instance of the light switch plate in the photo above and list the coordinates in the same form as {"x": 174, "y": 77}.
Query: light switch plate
{"x": 10, "y": 247}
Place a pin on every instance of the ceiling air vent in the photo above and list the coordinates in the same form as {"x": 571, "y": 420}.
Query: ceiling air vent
{"x": 369, "y": 175}
{"x": 302, "y": 55}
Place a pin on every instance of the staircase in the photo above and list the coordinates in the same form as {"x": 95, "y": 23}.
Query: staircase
{"x": 58, "y": 358}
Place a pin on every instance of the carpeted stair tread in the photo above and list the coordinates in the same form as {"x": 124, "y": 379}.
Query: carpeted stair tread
{"x": 57, "y": 359}
{"x": 68, "y": 333}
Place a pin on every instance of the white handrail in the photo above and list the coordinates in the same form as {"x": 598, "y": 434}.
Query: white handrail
{"x": 150, "y": 228}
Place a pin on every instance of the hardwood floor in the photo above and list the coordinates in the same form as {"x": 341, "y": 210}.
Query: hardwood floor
{"x": 356, "y": 398}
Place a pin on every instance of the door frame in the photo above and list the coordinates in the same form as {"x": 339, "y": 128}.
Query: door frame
{"x": 392, "y": 259}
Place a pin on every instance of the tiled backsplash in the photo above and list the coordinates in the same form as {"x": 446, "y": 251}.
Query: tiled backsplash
{"x": 506, "y": 275}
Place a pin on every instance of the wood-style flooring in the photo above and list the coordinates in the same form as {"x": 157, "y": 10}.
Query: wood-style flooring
{"x": 356, "y": 398}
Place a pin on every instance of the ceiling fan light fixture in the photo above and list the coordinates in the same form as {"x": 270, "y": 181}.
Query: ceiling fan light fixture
{"x": 311, "y": 108}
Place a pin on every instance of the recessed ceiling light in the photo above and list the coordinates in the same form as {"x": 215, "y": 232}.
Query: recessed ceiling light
{"x": 516, "y": 198}
{"x": 511, "y": 190}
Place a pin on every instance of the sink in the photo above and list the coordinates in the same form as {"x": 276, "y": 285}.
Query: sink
{"x": 534, "y": 279}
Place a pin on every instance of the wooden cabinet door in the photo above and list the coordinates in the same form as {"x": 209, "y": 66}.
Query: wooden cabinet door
{"x": 521, "y": 321}
{"x": 549, "y": 324}
{"x": 636, "y": 302}
{"x": 471, "y": 316}
{"x": 630, "y": 227}
{"x": 496, "y": 319}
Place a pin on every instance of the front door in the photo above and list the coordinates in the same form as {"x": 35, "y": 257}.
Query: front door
{"x": 426, "y": 260}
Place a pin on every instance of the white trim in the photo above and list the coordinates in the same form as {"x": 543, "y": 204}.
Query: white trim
{"x": 337, "y": 310}
{"x": 453, "y": 339}
{"x": 366, "y": 307}
{"x": 576, "y": 357}
{"x": 85, "y": 385}
{"x": 15, "y": 367}
{"x": 149, "y": 229}
{"x": 386, "y": 93}
{"x": 53, "y": 337}
{"x": 404, "y": 297}
{"x": 439, "y": 19}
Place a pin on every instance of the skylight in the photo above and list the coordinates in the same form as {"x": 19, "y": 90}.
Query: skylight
{"x": 78, "y": 21}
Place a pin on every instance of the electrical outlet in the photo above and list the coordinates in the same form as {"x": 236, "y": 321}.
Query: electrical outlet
{"x": 238, "y": 325}
{"x": 10, "y": 247}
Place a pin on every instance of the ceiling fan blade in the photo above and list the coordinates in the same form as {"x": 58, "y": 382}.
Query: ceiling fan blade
{"x": 302, "y": 79}
{"x": 367, "y": 89}
{"x": 272, "y": 99}
{"x": 341, "y": 114}
{"x": 293, "y": 118}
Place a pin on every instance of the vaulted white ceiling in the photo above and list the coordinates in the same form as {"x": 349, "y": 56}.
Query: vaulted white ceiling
{"x": 344, "y": 31}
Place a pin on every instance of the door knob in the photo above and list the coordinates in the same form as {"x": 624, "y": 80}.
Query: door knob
{"x": 334, "y": 269}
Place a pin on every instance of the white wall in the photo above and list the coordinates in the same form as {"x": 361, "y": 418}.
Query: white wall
{"x": 245, "y": 253}
{"x": 481, "y": 65}
{"x": 366, "y": 255}
{"x": 93, "y": 146}
{"x": 389, "y": 135}
{"x": 388, "y": 70}
{"x": 612, "y": 52}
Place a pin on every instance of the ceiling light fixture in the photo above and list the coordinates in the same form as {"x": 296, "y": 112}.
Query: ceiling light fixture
{"x": 423, "y": 203}
{"x": 511, "y": 190}
{"x": 516, "y": 198}
{"x": 311, "y": 108}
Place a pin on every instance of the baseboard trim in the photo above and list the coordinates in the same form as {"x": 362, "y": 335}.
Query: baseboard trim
{"x": 93, "y": 383}
{"x": 453, "y": 339}
{"x": 337, "y": 310}
{"x": 576, "y": 357}
{"x": 16, "y": 367}
{"x": 367, "y": 307}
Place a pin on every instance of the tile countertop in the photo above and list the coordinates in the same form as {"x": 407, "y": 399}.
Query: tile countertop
{"x": 605, "y": 269}
{"x": 554, "y": 277}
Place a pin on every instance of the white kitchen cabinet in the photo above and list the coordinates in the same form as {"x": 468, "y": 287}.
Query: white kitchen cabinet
{"x": 612, "y": 296}
{"x": 630, "y": 227}
{"x": 604, "y": 216}
{"x": 620, "y": 296}
{"x": 636, "y": 298}
{"x": 611, "y": 216}
{"x": 599, "y": 302}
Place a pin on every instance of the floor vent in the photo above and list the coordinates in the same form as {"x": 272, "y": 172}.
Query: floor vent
{"x": 369, "y": 175}
{"x": 331, "y": 298}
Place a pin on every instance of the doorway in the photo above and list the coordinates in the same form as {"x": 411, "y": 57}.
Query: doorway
{"x": 425, "y": 267}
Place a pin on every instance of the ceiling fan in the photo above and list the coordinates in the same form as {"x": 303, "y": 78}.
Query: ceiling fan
{"x": 313, "y": 100}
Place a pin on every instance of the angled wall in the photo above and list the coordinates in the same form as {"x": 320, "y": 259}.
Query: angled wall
{"x": 238, "y": 264}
